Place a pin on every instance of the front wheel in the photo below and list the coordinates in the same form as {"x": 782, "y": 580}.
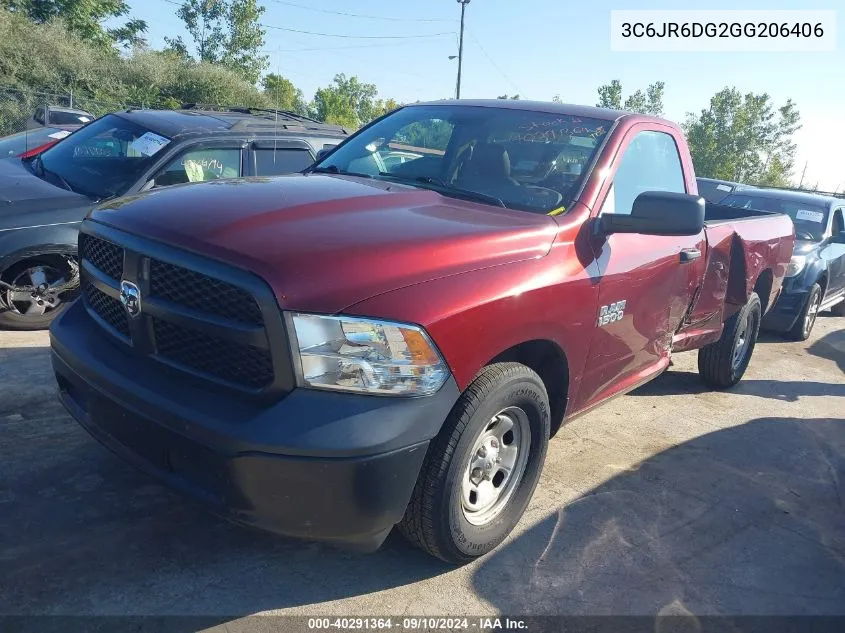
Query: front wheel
{"x": 35, "y": 294}
{"x": 481, "y": 470}
{"x": 807, "y": 319}
{"x": 723, "y": 363}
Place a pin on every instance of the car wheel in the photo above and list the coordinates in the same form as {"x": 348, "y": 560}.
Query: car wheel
{"x": 723, "y": 363}
{"x": 36, "y": 307}
{"x": 807, "y": 319}
{"x": 482, "y": 468}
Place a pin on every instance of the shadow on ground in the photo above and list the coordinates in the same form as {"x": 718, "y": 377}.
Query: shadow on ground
{"x": 748, "y": 520}
{"x": 674, "y": 383}
{"x": 832, "y": 347}
{"x": 82, "y": 532}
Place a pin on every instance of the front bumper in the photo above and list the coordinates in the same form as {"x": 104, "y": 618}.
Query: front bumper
{"x": 315, "y": 465}
{"x": 785, "y": 312}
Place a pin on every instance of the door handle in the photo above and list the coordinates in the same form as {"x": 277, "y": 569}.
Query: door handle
{"x": 689, "y": 254}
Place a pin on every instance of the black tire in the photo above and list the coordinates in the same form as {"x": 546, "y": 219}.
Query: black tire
{"x": 435, "y": 519}
{"x": 839, "y": 309}
{"x": 807, "y": 318}
{"x": 716, "y": 364}
{"x": 13, "y": 320}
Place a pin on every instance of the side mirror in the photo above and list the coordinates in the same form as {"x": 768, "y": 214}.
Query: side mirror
{"x": 838, "y": 238}
{"x": 325, "y": 151}
{"x": 147, "y": 185}
{"x": 659, "y": 213}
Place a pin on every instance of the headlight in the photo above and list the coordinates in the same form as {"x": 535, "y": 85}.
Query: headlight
{"x": 796, "y": 265}
{"x": 366, "y": 356}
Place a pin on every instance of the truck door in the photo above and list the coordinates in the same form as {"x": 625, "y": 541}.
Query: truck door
{"x": 646, "y": 282}
{"x": 834, "y": 253}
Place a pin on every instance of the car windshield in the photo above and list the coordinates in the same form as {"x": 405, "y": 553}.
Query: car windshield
{"x": 16, "y": 144}
{"x": 104, "y": 158}
{"x": 520, "y": 159}
{"x": 810, "y": 219}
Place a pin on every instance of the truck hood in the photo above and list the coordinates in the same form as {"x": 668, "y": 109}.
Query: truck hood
{"x": 326, "y": 242}
{"x": 26, "y": 200}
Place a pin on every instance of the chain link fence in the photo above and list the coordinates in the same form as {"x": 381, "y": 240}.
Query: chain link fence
{"x": 17, "y": 106}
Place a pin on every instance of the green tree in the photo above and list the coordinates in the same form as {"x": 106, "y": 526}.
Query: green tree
{"x": 283, "y": 94}
{"x": 744, "y": 138}
{"x": 227, "y": 32}
{"x": 84, "y": 18}
{"x": 346, "y": 101}
{"x": 505, "y": 96}
{"x": 648, "y": 102}
{"x": 245, "y": 40}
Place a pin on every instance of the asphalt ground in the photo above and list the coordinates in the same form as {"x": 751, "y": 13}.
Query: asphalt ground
{"x": 672, "y": 499}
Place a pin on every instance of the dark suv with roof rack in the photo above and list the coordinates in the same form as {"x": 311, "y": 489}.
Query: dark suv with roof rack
{"x": 125, "y": 153}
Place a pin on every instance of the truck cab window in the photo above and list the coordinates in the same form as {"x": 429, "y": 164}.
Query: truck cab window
{"x": 838, "y": 225}
{"x": 269, "y": 162}
{"x": 651, "y": 163}
{"x": 201, "y": 165}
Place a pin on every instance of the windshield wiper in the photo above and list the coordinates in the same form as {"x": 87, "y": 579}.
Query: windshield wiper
{"x": 447, "y": 190}
{"x": 44, "y": 172}
{"x": 332, "y": 169}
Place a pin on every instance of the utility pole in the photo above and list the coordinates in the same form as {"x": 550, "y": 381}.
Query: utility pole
{"x": 463, "y": 4}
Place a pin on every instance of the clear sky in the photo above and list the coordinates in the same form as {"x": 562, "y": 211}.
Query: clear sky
{"x": 537, "y": 49}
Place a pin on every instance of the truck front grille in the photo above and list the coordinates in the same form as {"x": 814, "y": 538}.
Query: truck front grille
{"x": 212, "y": 356}
{"x": 201, "y": 292}
{"x": 103, "y": 255}
{"x": 108, "y": 309}
{"x": 210, "y": 324}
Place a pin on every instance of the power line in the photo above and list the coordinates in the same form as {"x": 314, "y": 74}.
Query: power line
{"x": 357, "y": 37}
{"x": 495, "y": 65}
{"x": 342, "y": 35}
{"x": 331, "y": 48}
{"x": 358, "y": 15}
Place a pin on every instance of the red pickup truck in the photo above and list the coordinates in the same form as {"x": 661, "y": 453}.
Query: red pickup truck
{"x": 378, "y": 342}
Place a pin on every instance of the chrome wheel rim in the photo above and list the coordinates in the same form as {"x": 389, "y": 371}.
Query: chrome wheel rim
{"x": 812, "y": 312}
{"x": 743, "y": 341}
{"x": 44, "y": 295}
{"x": 495, "y": 466}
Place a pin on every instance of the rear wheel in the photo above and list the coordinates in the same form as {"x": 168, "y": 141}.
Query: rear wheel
{"x": 723, "y": 363}
{"x": 481, "y": 470}
{"x": 39, "y": 295}
{"x": 807, "y": 319}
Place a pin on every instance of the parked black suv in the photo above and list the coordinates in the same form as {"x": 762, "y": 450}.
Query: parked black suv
{"x": 815, "y": 279}
{"x": 44, "y": 198}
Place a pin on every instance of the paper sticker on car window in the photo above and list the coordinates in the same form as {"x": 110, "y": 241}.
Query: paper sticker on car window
{"x": 723, "y": 188}
{"x": 60, "y": 134}
{"x": 149, "y": 143}
{"x": 810, "y": 216}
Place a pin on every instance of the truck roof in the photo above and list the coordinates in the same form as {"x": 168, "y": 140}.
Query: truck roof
{"x": 174, "y": 123}
{"x": 796, "y": 196}
{"x": 551, "y": 107}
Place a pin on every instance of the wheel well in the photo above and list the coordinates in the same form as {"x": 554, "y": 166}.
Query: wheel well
{"x": 823, "y": 282}
{"x": 763, "y": 288}
{"x": 59, "y": 260}
{"x": 548, "y": 360}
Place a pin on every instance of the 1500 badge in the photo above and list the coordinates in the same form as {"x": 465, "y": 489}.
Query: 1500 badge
{"x": 612, "y": 312}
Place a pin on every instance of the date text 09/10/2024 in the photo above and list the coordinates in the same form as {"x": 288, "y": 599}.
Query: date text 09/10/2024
{"x": 418, "y": 624}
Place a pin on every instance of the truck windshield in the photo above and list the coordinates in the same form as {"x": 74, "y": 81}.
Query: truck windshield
{"x": 104, "y": 158}
{"x": 810, "y": 219}
{"x": 521, "y": 159}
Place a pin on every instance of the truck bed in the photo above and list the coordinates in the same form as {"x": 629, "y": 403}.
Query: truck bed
{"x": 747, "y": 251}
{"x": 715, "y": 213}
